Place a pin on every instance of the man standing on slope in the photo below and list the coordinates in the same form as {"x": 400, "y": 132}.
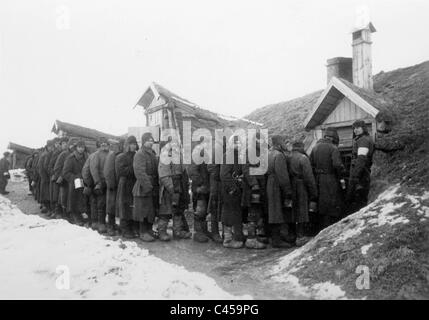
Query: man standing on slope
{"x": 360, "y": 172}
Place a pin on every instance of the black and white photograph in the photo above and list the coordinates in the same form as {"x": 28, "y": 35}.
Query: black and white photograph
{"x": 230, "y": 150}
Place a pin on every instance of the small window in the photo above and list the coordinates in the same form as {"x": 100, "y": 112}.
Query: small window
{"x": 357, "y": 35}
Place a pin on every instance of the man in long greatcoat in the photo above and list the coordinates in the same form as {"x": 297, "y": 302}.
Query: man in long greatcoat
{"x": 146, "y": 188}
{"x": 124, "y": 172}
{"x": 329, "y": 170}
{"x": 72, "y": 172}
{"x": 43, "y": 168}
{"x": 96, "y": 167}
{"x": 56, "y": 167}
{"x": 60, "y": 180}
{"x": 59, "y": 146}
{"x": 304, "y": 191}
{"x": 279, "y": 192}
{"x": 111, "y": 186}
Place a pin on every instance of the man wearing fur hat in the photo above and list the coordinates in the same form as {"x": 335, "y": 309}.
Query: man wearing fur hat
{"x": 329, "y": 172}
{"x": 4, "y": 172}
{"x": 111, "y": 186}
{"x": 146, "y": 190}
{"x": 96, "y": 167}
{"x": 360, "y": 171}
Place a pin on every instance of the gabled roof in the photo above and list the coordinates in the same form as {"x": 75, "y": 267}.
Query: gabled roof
{"x": 79, "y": 131}
{"x": 336, "y": 90}
{"x": 368, "y": 26}
{"x": 155, "y": 90}
{"x": 20, "y": 148}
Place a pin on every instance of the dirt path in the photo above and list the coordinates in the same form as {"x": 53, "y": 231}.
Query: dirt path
{"x": 239, "y": 271}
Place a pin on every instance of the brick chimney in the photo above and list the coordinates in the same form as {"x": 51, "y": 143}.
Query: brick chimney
{"x": 362, "y": 56}
{"x": 339, "y": 67}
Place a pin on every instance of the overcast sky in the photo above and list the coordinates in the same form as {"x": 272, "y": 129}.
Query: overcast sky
{"x": 88, "y": 62}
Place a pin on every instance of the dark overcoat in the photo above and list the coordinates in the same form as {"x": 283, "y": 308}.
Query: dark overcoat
{"x": 278, "y": 186}
{"x": 72, "y": 170}
{"x": 43, "y": 168}
{"x": 53, "y": 187}
{"x": 215, "y": 198}
{"x": 328, "y": 171}
{"x": 125, "y": 174}
{"x": 58, "y": 172}
{"x": 231, "y": 177}
{"x": 146, "y": 187}
{"x": 304, "y": 187}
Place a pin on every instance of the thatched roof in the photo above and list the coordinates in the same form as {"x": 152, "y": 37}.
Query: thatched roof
{"x": 78, "y": 131}
{"x": 20, "y": 148}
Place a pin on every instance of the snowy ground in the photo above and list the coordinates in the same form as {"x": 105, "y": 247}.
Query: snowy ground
{"x": 36, "y": 255}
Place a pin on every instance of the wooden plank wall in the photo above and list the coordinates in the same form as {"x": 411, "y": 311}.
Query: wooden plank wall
{"x": 346, "y": 110}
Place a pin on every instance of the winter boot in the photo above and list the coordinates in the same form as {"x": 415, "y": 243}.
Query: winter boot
{"x": 178, "y": 232}
{"x": 44, "y": 210}
{"x": 125, "y": 226}
{"x": 228, "y": 241}
{"x": 238, "y": 234}
{"x": 214, "y": 232}
{"x": 251, "y": 241}
{"x": 301, "y": 238}
{"x": 94, "y": 225}
{"x": 276, "y": 240}
{"x": 261, "y": 234}
{"x": 288, "y": 232}
{"x": 153, "y": 233}
{"x": 135, "y": 228}
{"x": 111, "y": 225}
{"x": 199, "y": 234}
{"x": 102, "y": 228}
{"x": 185, "y": 225}
{"x": 162, "y": 229}
{"x": 77, "y": 219}
{"x": 58, "y": 212}
{"x": 144, "y": 232}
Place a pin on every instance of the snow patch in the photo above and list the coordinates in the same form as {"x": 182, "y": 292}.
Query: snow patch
{"x": 17, "y": 175}
{"x": 364, "y": 249}
{"x": 328, "y": 290}
{"x": 32, "y": 248}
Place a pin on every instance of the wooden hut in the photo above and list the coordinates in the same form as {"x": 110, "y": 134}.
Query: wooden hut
{"x": 19, "y": 155}
{"x": 164, "y": 109}
{"x": 90, "y": 136}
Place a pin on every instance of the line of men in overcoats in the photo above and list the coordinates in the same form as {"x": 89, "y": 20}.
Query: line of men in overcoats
{"x": 297, "y": 197}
